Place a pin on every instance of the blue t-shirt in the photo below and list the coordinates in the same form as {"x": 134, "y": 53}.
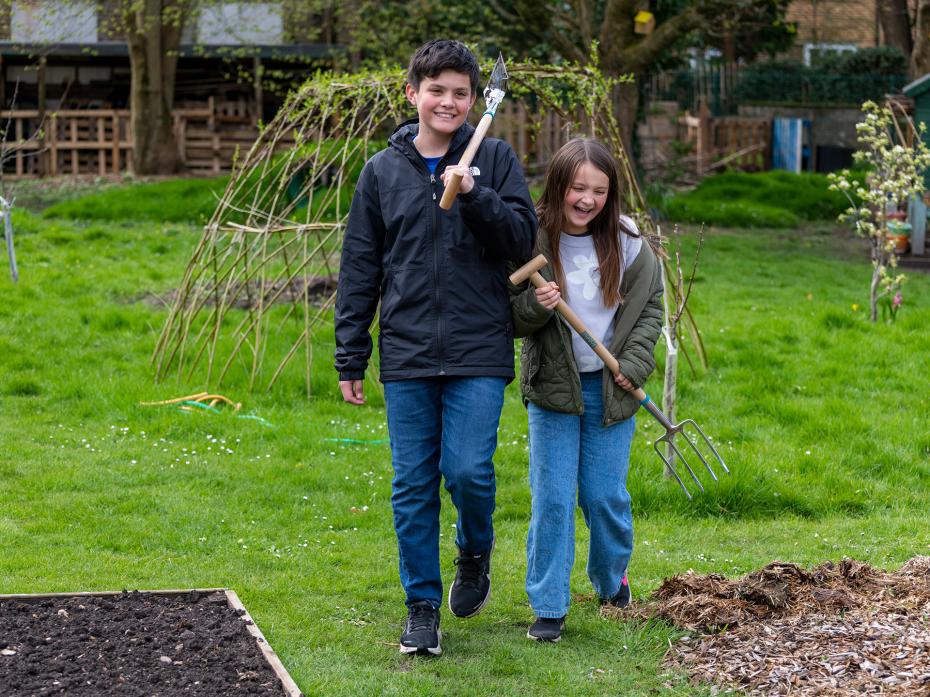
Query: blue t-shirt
{"x": 431, "y": 162}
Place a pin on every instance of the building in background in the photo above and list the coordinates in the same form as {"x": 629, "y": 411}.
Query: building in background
{"x": 241, "y": 52}
{"x": 833, "y": 26}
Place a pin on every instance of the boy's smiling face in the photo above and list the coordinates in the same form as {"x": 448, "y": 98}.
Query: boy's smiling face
{"x": 442, "y": 103}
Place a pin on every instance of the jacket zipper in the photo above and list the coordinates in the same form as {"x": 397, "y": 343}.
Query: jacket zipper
{"x": 436, "y": 276}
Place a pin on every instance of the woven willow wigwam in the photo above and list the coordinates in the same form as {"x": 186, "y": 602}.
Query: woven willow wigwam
{"x": 261, "y": 280}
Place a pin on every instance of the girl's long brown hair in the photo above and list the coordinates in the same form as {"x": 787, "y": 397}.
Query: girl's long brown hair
{"x": 605, "y": 228}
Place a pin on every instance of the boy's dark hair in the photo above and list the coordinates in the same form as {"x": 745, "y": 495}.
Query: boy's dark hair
{"x": 443, "y": 54}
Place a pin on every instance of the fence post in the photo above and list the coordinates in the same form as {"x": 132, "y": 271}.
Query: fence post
{"x": 73, "y": 144}
{"x": 53, "y": 145}
{"x": 20, "y": 169}
{"x": 101, "y": 148}
{"x": 42, "y": 163}
{"x": 705, "y": 139}
{"x": 115, "y": 143}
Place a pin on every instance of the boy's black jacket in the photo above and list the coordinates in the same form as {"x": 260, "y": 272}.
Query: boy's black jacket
{"x": 440, "y": 275}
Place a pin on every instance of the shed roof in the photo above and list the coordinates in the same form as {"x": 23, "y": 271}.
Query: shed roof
{"x": 918, "y": 86}
{"x": 119, "y": 48}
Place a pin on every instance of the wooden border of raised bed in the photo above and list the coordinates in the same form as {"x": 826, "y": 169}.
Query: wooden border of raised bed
{"x": 287, "y": 682}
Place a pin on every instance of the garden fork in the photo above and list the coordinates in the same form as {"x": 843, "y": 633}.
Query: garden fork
{"x": 530, "y": 271}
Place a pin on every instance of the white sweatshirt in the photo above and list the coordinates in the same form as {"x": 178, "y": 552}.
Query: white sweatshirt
{"x": 583, "y": 290}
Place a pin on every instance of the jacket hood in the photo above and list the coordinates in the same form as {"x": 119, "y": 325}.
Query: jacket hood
{"x": 403, "y": 135}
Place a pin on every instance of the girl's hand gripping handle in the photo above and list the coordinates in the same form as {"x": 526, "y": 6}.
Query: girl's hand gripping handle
{"x": 530, "y": 271}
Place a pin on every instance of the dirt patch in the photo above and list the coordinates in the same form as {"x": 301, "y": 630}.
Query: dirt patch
{"x": 131, "y": 644}
{"x": 842, "y": 628}
{"x": 254, "y": 294}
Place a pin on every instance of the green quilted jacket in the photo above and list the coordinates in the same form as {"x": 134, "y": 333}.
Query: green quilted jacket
{"x": 548, "y": 373}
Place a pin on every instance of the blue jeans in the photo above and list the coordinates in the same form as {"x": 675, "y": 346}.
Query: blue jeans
{"x": 441, "y": 427}
{"x": 576, "y": 455}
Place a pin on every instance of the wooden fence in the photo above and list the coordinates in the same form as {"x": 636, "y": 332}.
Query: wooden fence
{"x": 734, "y": 142}
{"x": 534, "y": 138}
{"x": 688, "y": 147}
{"x": 714, "y": 85}
{"x": 99, "y": 141}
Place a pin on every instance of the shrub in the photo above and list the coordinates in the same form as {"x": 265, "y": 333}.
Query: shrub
{"x": 796, "y": 196}
{"x": 835, "y": 78}
{"x": 878, "y": 60}
{"x": 174, "y": 200}
{"x": 729, "y": 213}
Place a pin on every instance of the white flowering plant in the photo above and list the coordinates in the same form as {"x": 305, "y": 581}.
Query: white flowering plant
{"x": 895, "y": 160}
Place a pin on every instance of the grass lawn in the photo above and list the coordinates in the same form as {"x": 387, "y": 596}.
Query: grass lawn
{"x": 820, "y": 415}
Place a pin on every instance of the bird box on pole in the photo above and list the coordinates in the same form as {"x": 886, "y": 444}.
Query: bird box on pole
{"x": 644, "y": 22}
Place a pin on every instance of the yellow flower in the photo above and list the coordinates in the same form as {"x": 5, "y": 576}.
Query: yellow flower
{"x": 810, "y": 296}
{"x": 855, "y": 307}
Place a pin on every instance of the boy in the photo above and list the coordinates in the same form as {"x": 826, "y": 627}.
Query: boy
{"x": 446, "y": 338}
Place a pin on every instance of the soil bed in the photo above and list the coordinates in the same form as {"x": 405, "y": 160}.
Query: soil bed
{"x": 840, "y": 629}
{"x": 132, "y": 643}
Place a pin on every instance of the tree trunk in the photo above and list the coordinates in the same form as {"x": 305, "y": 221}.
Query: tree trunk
{"x": 896, "y": 24}
{"x": 626, "y": 108}
{"x": 920, "y": 57}
{"x": 154, "y": 39}
{"x": 873, "y": 289}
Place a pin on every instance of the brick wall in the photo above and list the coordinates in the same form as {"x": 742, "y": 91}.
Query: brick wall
{"x": 836, "y": 22}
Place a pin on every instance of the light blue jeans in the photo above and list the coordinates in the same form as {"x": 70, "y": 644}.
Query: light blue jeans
{"x": 441, "y": 428}
{"x": 573, "y": 456}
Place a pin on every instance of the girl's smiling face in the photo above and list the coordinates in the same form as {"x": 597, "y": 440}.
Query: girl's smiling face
{"x": 584, "y": 199}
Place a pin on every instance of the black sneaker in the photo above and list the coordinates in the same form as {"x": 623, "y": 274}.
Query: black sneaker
{"x": 472, "y": 586}
{"x": 622, "y": 597}
{"x": 546, "y": 629}
{"x": 421, "y": 632}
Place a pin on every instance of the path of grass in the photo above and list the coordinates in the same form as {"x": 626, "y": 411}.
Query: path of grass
{"x": 821, "y": 415}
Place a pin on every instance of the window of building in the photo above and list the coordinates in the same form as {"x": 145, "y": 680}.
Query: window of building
{"x": 53, "y": 22}
{"x": 812, "y": 52}
{"x": 241, "y": 23}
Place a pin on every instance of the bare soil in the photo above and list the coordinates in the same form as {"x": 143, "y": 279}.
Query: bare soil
{"x": 842, "y": 628}
{"x": 254, "y": 294}
{"x": 131, "y": 644}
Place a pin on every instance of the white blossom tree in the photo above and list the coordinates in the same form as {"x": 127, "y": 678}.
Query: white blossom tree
{"x": 895, "y": 160}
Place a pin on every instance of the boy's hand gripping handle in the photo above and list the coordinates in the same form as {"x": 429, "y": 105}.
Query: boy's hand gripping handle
{"x": 452, "y": 185}
{"x": 530, "y": 271}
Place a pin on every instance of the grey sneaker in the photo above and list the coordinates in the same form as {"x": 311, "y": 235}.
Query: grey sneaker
{"x": 421, "y": 631}
{"x": 471, "y": 589}
{"x": 546, "y": 629}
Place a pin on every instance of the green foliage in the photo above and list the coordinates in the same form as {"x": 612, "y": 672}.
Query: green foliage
{"x": 173, "y": 200}
{"x": 776, "y": 199}
{"x": 875, "y": 60}
{"x": 848, "y": 78}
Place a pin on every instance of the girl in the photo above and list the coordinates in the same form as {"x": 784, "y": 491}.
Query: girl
{"x": 581, "y": 417}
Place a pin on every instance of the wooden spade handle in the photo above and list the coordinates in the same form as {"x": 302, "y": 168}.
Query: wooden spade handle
{"x": 452, "y": 185}
{"x": 532, "y": 268}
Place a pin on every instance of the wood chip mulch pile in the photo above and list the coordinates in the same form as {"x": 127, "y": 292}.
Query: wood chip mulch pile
{"x": 838, "y": 629}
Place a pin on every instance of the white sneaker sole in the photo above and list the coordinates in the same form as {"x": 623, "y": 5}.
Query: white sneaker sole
{"x": 545, "y": 641}
{"x": 427, "y": 650}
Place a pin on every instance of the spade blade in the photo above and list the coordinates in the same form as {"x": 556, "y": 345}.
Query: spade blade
{"x": 496, "y": 88}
